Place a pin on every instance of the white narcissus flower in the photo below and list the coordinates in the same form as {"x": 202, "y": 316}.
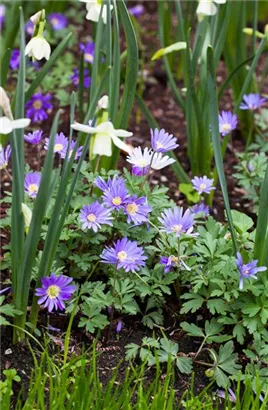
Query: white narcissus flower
{"x": 103, "y": 103}
{"x": 94, "y": 9}
{"x": 5, "y": 103}
{"x": 7, "y": 125}
{"x": 207, "y": 8}
{"x": 148, "y": 157}
{"x": 104, "y": 135}
{"x": 38, "y": 48}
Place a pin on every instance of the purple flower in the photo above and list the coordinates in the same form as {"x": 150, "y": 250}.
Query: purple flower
{"x": 34, "y": 138}
{"x": 2, "y": 14}
{"x": 173, "y": 221}
{"x": 78, "y": 153}
{"x": 5, "y": 290}
{"x": 116, "y": 196}
{"x": 75, "y": 77}
{"x": 60, "y": 143}
{"x": 119, "y": 326}
{"x": 124, "y": 254}
{"x": 247, "y": 270}
{"x": 38, "y": 107}
{"x": 222, "y": 394}
{"x": 29, "y": 27}
{"x": 15, "y": 59}
{"x": 162, "y": 141}
{"x": 200, "y": 208}
{"x": 252, "y": 102}
{"x": 89, "y": 50}
{"x": 32, "y": 183}
{"x": 227, "y": 122}
{"x": 94, "y": 215}
{"x": 137, "y": 210}
{"x": 169, "y": 262}
{"x": 137, "y": 10}
{"x": 58, "y": 21}
{"x": 54, "y": 291}
{"x": 103, "y": 185}
{"x": 4, "y": 156}
{"x": 203, "y": 184}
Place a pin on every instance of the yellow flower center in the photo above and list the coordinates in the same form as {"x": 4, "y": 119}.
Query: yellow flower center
{"x": 226, "y": 127}
{"x": 142, "y": 163}
{"x": 99, "y": 2}
{"x": 159, "y": 145}
{"x": 246, "y": 272}
{"x": 117, "y": 200}
{"x": 132, "y": 208}
{"x": 53, "y": 291}
{"x": 58, "y": 147}
{"x": 89, "y": 57}
{"x": 54, "y": 21}
{"x": 174, "y": 259}
{"x": 91, "y": 218}
{"x": 33, "y": 188}
{"x": 122, "y": 256}
{"x": 177, "y": 228}
{"x": 37, "y": 104}
{"x": 203, "y": 186}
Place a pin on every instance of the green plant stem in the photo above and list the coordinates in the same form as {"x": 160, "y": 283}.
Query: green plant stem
{"x": 68, "y": 332}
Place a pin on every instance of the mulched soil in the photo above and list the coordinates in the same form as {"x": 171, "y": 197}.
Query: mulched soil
{"x": 159, "y": 99}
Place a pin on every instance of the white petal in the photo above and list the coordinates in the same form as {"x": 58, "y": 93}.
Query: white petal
{"x": 21, "y": 123}
{"x": 160, "y": 162}
{"x": 84, "y": 128}
{"x": 28, "y": 48}
{"x": 102, "y": 145}
{"x": 5, "y": 125}
{"x": 47, "y": 50}
{"x": 220, "y": 1}
{"x": 103, "y": 102}
{"x": 123, "y": 133}
{"x": 93, "y": 13}
{"x": 120, "y": 144}
{"x": 206, "y": 8}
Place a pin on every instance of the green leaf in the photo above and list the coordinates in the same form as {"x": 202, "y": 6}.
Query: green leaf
{"x": 192, "y": 305}
{"x": 261, "y": 238}
{"x": 189, "y": 192}
{"x": 184, "y": 364}
{"x": 132, "y": 350}
{"x": 180, "y": 45}
{"x": 242, "y": 222}
{"x": 192, "y": 330}
{"x": 221, "y": 379}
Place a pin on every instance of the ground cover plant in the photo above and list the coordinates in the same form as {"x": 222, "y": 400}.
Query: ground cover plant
{"x": 128, "y": 243}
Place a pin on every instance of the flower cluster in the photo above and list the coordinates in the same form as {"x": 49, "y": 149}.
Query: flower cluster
{"x": 143, "y": 160}
{"x": 61, "y": 146}
{"x": 54, "y": 291}
{"x": 38, "y": 107}
{"x": 203, "y": 184}
{"x": 175, "y": 221}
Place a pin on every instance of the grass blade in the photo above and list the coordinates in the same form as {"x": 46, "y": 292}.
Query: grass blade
{"x": 261, "y": 238}
{"x": 214, "y": 121}
{"x": 5, "y": 67}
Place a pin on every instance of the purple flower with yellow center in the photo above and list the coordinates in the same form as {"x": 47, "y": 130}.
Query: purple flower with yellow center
{"x": 116, "y": 196}
{"x": 89, "y": 51}
{"x": 75, "y": 77}
{"x": 38, "y": 107}
{"x": 58, "y": 21}
{"x": 15, "y": 59}
{"x": 34, "y": 138}
{"x": 252, "y": 102}
{"x": 94, "y": 215}
{"x": 203, "y": 184}
{"x": 78, "y": 153}
{"x": 162, "y": 141}
{"x": 60, "y": 143}
{"x": 2, "y": 14}
{"x": 124, "y": 254}
{"x": 200, "y": 208}
{"x": 4, "y": 156}
{"x": 227, "y": 122}
{"x": 32, "y": 183}
{"x": 248, "y": 270}
{"x": 137, "y": 210}
{"x": 29, "y": 27}
{"x": 54, "y": 291}
{"x": 169, "y": 262}
{"x": 174, "y": 221}
{"x": 137, "y": 10}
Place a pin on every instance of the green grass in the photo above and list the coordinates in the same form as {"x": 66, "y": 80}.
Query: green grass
{"x": 76, "y": 385}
